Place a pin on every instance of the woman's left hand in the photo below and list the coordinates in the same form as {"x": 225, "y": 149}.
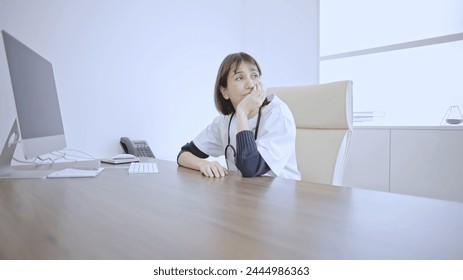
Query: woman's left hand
{"x": 251, "y": 103}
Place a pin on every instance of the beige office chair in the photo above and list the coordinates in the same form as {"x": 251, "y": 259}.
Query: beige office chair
{"x": 323, "y": 116}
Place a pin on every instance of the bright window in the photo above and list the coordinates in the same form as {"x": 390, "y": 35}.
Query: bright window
{"x": 405, "y": 57}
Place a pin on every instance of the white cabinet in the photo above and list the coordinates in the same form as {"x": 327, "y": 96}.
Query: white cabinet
{"x": 423, "y": 161}
{"x": 368, "y": 160}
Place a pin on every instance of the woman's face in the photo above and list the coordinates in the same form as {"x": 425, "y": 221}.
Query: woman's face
{"x": 241, "y": 82}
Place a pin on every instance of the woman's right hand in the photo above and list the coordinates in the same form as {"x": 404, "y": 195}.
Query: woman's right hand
{"x": 207, "y": 168}
{"x": 212, "y": 169}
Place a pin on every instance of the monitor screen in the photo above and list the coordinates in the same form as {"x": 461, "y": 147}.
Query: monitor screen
{"x": 36, "y": 99}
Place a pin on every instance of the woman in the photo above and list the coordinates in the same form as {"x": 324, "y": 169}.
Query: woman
{"x": 256, "y": 133}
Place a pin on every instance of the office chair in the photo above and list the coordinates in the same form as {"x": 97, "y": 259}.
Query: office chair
{"x": 323, "y": 116}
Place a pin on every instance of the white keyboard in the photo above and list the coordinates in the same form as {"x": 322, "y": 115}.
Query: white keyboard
{"x": 143, "y": 168}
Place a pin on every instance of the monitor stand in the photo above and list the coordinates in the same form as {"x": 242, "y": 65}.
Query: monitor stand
{"x": 31, "y": 171}
{"x": 6, "y": 170}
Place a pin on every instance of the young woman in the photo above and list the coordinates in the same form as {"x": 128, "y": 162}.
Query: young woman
{"x": 255, "y": 132}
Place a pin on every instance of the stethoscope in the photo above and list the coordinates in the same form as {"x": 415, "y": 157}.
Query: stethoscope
{"x": 230, "y": 146}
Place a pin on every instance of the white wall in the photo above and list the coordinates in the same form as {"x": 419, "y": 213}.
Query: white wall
{"x": 285, "y": 36}
{"x": 146, "y": 69}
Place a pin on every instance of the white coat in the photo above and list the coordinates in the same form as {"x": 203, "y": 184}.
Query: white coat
{"x": 275, "y": 140}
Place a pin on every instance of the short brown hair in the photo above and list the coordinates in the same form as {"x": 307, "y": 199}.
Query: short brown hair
{"x": 223, "y": 105}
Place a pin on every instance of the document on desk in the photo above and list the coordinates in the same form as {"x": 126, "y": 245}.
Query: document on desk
{"x": 76, "y": 173}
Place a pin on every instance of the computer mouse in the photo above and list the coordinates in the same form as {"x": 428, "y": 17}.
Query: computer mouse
{"x": 124, "y": 156}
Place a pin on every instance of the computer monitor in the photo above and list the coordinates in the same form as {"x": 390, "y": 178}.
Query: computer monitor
{"x": 37, "y": 106}
{"x": 38, "y": 126}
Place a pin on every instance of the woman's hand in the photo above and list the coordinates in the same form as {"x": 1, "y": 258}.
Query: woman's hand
{"x": 212, "y": 169}
{"x": 207, "y": 168}
{"x": 249, "y": 107}
{"x": 251, "y": 103}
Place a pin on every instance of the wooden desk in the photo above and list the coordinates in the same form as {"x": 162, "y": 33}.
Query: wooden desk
{"x": 179, "y": 214}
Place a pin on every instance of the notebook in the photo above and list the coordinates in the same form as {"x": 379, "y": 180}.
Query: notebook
{"x": 76, "y": 173}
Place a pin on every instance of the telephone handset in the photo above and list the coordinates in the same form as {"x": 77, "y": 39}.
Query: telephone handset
{"x": 139, "y": 148}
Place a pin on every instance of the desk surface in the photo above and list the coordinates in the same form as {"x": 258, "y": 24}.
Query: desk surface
{"x": 180, "y": 214}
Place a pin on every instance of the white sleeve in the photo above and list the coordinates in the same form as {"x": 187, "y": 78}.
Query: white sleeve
{"x": 276, "y": 138}
{"x": 209, "y": 141}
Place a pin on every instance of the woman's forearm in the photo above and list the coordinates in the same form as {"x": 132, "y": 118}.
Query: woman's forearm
{"x": 207, "y": 168}
{"x": 187, "y": 159}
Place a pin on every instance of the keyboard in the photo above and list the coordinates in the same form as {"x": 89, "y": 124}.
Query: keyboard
{"x": 143, "y": 168}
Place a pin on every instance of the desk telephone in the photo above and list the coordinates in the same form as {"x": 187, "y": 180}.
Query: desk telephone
{"x": 139, "y": 148}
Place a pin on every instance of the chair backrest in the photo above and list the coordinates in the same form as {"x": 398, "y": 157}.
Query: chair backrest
{"x": 323, "y": 116}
